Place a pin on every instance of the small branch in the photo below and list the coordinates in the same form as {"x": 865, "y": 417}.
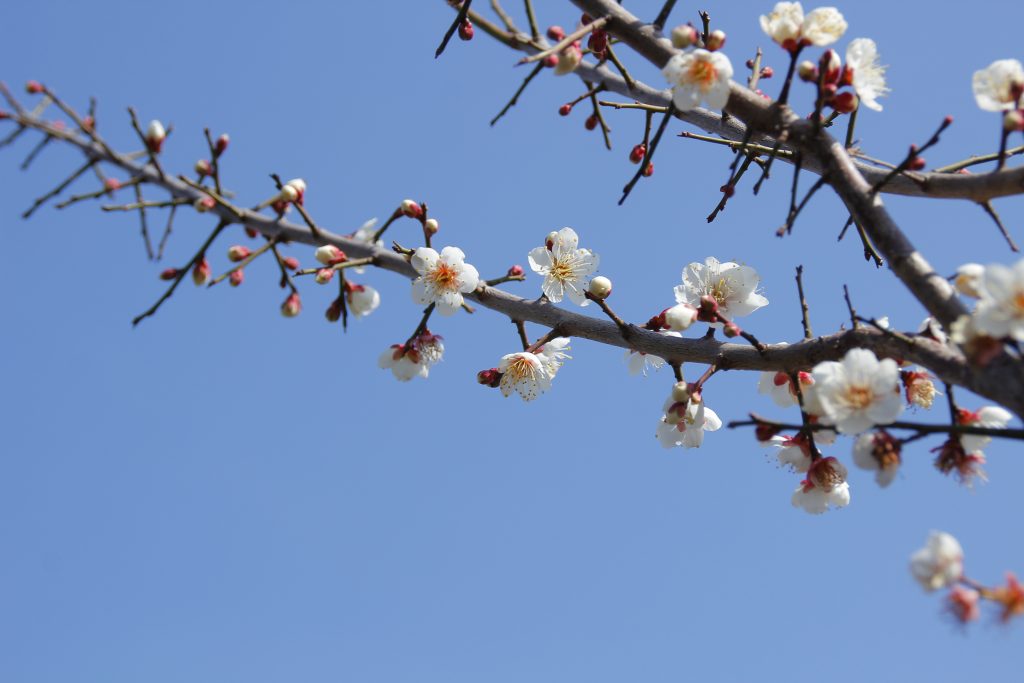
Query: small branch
{"x": 301, "y": 209}
{"x": 805, "y": 312}
{"x": 521, "y": 329}
{"x": 459, "y": 18}
{"x": 613, "y": 58}
{"x": 991, "y": 211}
{"x": 633, "y": 105}
{"x": 519, "y": 91}
{"x": 623, "y": 326}
{"x": 920, "y": 427}
{"x": 145, "y": 143}
{"x": 60, "y": 188}
{"x": 167, "y": 232}
{"x": 565, "y": 42}
{"x": 532, "y": 19}
{"x": 912, "y": 155}
{"x": 213, "y": 195}
{"x": 649, "y": 152}
{"x": 973, "y": 161}
{"x": 662, "y": 18}
{"x": 850, "y": 308}
{"x": 144, "y": 226}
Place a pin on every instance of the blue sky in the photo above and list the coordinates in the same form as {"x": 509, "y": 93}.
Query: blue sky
{"x": 223, "y": 494}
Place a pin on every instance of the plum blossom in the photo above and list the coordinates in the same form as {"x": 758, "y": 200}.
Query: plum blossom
{"x": 404, "y": 363}
{"x": 362, "y": 299}
{"x": 868, "y": 74}
{"x": 878, "y": 452}
{"x": 684, "y": 424}
{"x": 1000, "y": 312}
{"x": 968, "y": 279}
{"x": 858, "y": 392}
{"x": 824, "y": 487}
{"x": 780, "y": 387}
{"x": 787, "y": 26}
{"x": 698, "y": 76}
{"x": 919, "y": 388}
{"x": 524, "y": 373}
{"x": 443, "y": 278}
{"x": 553, "y": 354}
{"x": 962, "y": 603}
{"x": 565, "y": 267}
{"x": 939, "y": 563}
{"x": 732, "y": 286}
{"x": 794, "y": 451}
{"x": 639, "y": 362}
{"x": 999, "y": 86}
{"x": 992, "y": 417}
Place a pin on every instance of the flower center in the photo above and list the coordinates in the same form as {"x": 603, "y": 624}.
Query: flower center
{"x": 703, "y": 74}
{"x": 520, "y": 368}
{"x": 562, "y": 269}
{"x": 859, "y": 396}
{"x": 721, "y": 291}
{"x": 1018, "y": 302}
{"x": 445, "y": 277}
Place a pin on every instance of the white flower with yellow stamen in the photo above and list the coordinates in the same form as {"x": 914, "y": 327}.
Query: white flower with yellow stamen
{"x": 868, "y": 74}
{"x": 525, "y": 373}
{"x": 685, "y": 425}
{"x": 858, "y": 392}
{"x": 565, "y": 267}
{"x": 733, "y": 286}
{"x": 940, "y": 563}
{"x": 999, "y": 86}
{"x": 699, "y": 76}
{"x": 1000, "y": 312}
{"x": 443, "y": 279}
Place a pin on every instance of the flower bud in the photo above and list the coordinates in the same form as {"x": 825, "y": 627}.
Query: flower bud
{"x": 807, "y": 71}
{"x": 831, "y": 64}
{"x": 648, "y": 170}
{"x": 33, "y": 87}
{"x": 431, "y": 226}
{"x": 221, "y": 145}
{"x": 155, "y": 136}
{"x": 111, "y": 184}
{"x": 569, "y": 59}
{"x": 291, "y": 263}
{"x": 731, "y": 330}
{"x": 288, "y": 194}
{"x": 362, "y": 299}
{"x": 203, "y": 168}
{"x": 684, "y": 36}
{"x": 236, "y": 277}
{"x": 600, "y": 287}
{"x": 591, "y": 122}
{"x": 411, "y": 208}
{"x": 324, "y": 275}
{"x": 551, "y": 61}
{"x": 466, "y": 30}
{"x": 169, "y": 274}
{"x": 556, "y": 33}
{"x": 549, "y": 241}
{"x": 489, "y": 378}
{"x": 767, "y": 72}
{"x": 292, "y": 306}
{"x": 515, "y": 271}
{"x": 598, "y": 43}
{"x": 330, "y": 255}
{"x": 1013, "y": 120}
{"x": 680, "y": 317}
{"x": 917, "y": 164}
{"x": 764, "y": 432}
{"x": 636, "y": 155}
{"x": 565, "y": 109}
{"x": 333, "y": 312}
{"x": 708, "y": 304}
{"x": 4, "y": 115}
{"x": 716, "y": 39}
{"x": 201, "y": 273}
{"x": 238, "y": 253}
{"x": 680, "y": 392}
{"x": 204, "y": 204}
{"x": 845, "y": 102}
{"x": 299, "y": 185}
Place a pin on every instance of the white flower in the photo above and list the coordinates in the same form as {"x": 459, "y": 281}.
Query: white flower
{"x": 940, "y": 563}
{"x": 699, "y": 75}
{"x": 362, "y": 300}
{"x": 824, "y": 487}
{"x": 880, "y": 452}
{"x": 565, "y": 267}
{"x": 685, "y": 426}
{"x": 404, "y": 363}
{"x": 968, "y": 279}
{"x": 680, "y": 317}
{"x": 443, "y": 278}
{"x": 638, "y": 362}
{"x": 569, "y": 59}
{"x": 859, "y": 392}
{"x": 1000, "y": 312}
{"x": 430, "y": 347}
{"x": 868, "y": 75}
{"x": 998, "y": 86}
{"x": 787, "y": 25}
{"x": 553, "y": 354}
{"x": 794, "y": 451}
{"x": 920, "y": 389}
{"x": 733, "y": 286}
{"x": 779, "y": 386}
{"x": 525, "y": 373}
{"x": 365, "y": 234}
{"x": 992, "y": 417}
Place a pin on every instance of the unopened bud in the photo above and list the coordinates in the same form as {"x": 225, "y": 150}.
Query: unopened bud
{"x": 684, "y": 36}
{"x": 636, "y": 155}
{"x": 411, "y": 208}
{"x": 716, "y": 39}
{"x": 431, "y": 226}
{"x": 299, "y": 185}
{"x": 329, "y": 255}
{"x": 680, "y": 317}
{"x": 830, "y": 64}
{"x": 111, "y": 184}
{"x": 917, "y": 164}
{"x": 155, "y": 136}
{"x": 201, "y": 273}
{"x": 333, "y": 312}
{"x": 648, "y": 170}
{"x": 845, "y": 102}
{"x": 591, "y": 122}
{"x": 1013, "y": 120}
{"x": 221, "y": 144}
{"x": 88, "y": 123}
{"x": 565, "y": 109}
{"x": 169, "y": 274}
{"x": 489, "y": 378}
{"x": 33, "y": 87}
{"x": 236, "y": 277}
{"x": 251, "y": 233}
{"x": 203, "y": 168}
{"x": 551, "y": 61}
{"x": 291, "y": 262}
{"x": 680, "y": 392}
{"x": 598, "y": 43}
{"x": 288, "y": 194}
{"x": 569, "y": 59}
{"x": 731, "y": 330}
{"x": 324, "y": 275}
{"x": 556, "y": 33}
{"x": 728, "y": 190}
{"x": 600, "y": 287}
{"x": 466, "y": 30}
{"x": 515, "y": 271}
{"x": 807, "y": 71}
{"x": 764, "y": 431}
{"x": 767, "y": 72}
{"x": 238, "y": 253}
{"x": 292, "y": 306}
{"x": 204, "y": 204}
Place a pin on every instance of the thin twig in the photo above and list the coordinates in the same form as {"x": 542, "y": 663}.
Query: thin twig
{"x": 991, "y": 211}
{"x": 565, "y": 42}
{"x": 649, "y": 152}
{"x": 459, "y": 18}
{"x": 805, "y": 311}
{"x": 519, "y": 91}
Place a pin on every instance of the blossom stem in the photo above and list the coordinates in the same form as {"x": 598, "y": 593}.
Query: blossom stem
{"x": 519, "y": 91}
{"x": 387, "y": 224}
{"x": 298, "y": 205}
{"x": 246, "y": 261}
{"x": 790, "y": 72}
{"x": 422, "y": 326}
{"x": 805, "y": 310}
{"x": 919, "y": 427}
{"x": 649, "y": 152}
{"x": 1004, "y": 136}
{"x": 605, "y": 130}
{"x": 850, "y": 126}
{"x": 662, "y": 18}
{"x": 532, "y": 19}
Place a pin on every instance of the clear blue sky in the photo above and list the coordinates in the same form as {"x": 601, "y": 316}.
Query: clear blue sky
{"x": 226, "y": 495}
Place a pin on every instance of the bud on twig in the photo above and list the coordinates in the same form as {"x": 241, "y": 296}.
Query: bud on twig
{"x": 600, "y": 287}
{"x": 684, "y": 36}
{"x": 238, "y": 253}
{"x": 411, "y": 208}
{"x": 292, "y": 306}
{"x": 221, "y": 144}
{"x": 201, "y": 272}
{"x": 155, "y": 136}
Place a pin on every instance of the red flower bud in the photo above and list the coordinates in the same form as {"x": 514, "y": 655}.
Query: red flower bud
{"x": 556, "y": 33}
{"x": 169, "y": 274}
{"x": 515, "y": 271}
{"x": 466, "y": 30}
{"x": 33, "y": 87}
{"x": 636, "y": 155}
{"x": 648, "y": 170}
{"x": 591, "y": 122}
{"x": 565, "y": 109}
{"x": 236, "y": 277}
{"x": 221, "y": 144}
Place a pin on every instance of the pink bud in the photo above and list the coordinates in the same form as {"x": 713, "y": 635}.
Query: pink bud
{"x": 204, "y": 204}
{"x": 636, "y": 155}
{"x": 684, "y": 36}
{"x": 236, "y": 277}
{"x": 844, "y": 103}
{"x": 551, "y": 61}
{"x": 330, "y": 255}
{"x": 556, "y": 33}
{"x": 333, "y": 312}
{"x": 201, "y": 273}
{"x": 169, "y": 274}
{"x": 238, "y": 253}
{"x": 565, "y": 109}
{"x": 648, "y": 170}
{"x": 431, "y": 226}
{"x": 292, "y": 306}
{"x": 466, "y": 30}
{"x": 88, "y": 123}
{"x": 598, "y": 43}
{"x": 716, "y": 39}
{"x": 33, "y": 87}
{"x": 112, "y": 184}
{"x": 591, "y": 122}
{"x": 731, "y": 330}
{"x": 324, "y": 275}
{"x": 489, "y": 378}
{"x": 917, "y": 164}
{"x": 515, "y": 271}
{"x": 807, "y": 71}
{"x": 291, "y": 263}
{"x": 203, "y": 168}
{"x": 411, "y": 208}
{"x": 4, "y": 115}
{"x": 221, "y": 144}
{"x": 155, "y": 136}
{"x": 767, "y": 72}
